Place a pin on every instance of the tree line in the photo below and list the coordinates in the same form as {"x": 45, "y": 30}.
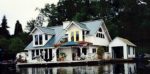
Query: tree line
{"x": 12, "y": 44}
{"x": 124, "y": 18}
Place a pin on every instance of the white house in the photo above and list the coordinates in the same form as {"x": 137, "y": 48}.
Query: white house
{"x": 72, "y": 41}
{"x": 122, "y": 48}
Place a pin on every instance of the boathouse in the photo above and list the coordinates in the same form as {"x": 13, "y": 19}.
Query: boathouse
{"x": 122, "y": 48}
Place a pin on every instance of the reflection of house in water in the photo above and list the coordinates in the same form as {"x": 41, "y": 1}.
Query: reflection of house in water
{"x": 128, "y": 68}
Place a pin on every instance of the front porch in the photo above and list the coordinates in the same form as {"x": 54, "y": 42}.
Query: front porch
{"x": 75, "y": 53}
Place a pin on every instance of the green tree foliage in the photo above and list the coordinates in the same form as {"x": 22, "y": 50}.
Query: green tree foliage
{"x": 18, "y": 28}
{"x": 30, "y": 25}
{"x": 16, "y": 45}
{"x": 125, "y": 18}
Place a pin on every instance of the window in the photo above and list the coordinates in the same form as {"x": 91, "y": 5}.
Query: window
{"x": 40, "y": 40}
{"x": 100, "y": 35}
{"x": 83, "y": 35}
{"x": 87, "y": 32}
{"x": 66, "y": 35}
{"x": 36, "y": 39}
{"x": 37, "y": 52}
{"x": 33, "y": 54}
{"x": 133, "y": 50}
{"x": 72, "y": 36}
{"x": 128, "y": 50}
{"x": 100, "y": 30}
{"x": 46, "y": 37}
{"x": 94, "y": 50}
{"x": 77, "y": 35}
{"x": 84, "y": 51}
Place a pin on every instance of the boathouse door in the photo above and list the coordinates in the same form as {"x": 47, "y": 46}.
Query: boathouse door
{"x": 117, "y": 52}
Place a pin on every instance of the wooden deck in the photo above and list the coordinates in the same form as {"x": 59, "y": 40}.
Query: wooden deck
{"x": 74, "y": 63}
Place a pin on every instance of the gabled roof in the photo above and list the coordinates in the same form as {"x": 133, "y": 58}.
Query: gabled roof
{"x": 58, "y": 32}
{"x": 47, "y": 45}
{"x": 78, "y": 24}
{"x": 46, "y": 30}
{"x": 81, "y": 25}
{"x": 125, "y": 41}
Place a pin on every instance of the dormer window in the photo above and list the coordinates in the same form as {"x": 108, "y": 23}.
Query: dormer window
{"x": 77, "y": 35}
{"x": 38, "y": 39}
{"x": 72, "y": 36}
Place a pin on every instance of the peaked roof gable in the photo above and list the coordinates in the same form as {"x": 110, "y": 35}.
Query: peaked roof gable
{"x": 79, "y": 25}
{"x": 94, "y": 26}
{"x": 124, "y": 41}
{"x": 45, "y": 30}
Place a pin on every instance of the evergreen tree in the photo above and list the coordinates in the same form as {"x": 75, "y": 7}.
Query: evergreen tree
{"x": 4, "y": 23}
{"x": 18, "y": 28}
{"x": 3, "y": 30}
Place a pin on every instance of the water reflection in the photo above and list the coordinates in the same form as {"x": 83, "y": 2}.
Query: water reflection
{"x": 128, "y": 68}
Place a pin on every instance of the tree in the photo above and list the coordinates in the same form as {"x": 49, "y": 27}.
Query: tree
{"x": 18, "y": 28}
{"x": 16, "y": 46}
{"x": 3, "y": 30}
{"x": 30, "y": 25}
{"x": 4, "y": 23}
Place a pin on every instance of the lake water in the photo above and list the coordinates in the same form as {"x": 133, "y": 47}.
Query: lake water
{"x": 126, "y": 68}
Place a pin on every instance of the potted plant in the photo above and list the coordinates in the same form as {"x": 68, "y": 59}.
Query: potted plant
{"x": 100, "y": 52}
{"x": 62, "y": 56}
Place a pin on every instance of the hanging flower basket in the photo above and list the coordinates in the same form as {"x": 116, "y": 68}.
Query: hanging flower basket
{"x": 57, "y": 45}
{"x": 83, "y": 43}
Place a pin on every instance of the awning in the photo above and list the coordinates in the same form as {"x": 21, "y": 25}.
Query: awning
{"x": 71, "y": 43}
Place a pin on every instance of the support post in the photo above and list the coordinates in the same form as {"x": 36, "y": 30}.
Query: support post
{"x": 54, "y": 55}
{"x": 47, "y": 53}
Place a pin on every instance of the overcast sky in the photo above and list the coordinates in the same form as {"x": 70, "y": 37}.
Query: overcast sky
{"x": 22, "y": 10}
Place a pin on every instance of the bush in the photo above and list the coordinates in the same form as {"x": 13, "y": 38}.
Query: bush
{"x": 100, "y": 52}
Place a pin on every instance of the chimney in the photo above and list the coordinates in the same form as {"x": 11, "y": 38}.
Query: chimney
{"x": 65, "y": 24}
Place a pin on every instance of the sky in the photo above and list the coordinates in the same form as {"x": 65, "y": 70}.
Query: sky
{"x": 22, "y": 10}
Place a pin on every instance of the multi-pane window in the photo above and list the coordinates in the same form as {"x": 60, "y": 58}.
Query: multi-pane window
{"x": 94, "y": 50}
{"x": 38, "y": 39}
{"x": 77, "y": 35}
{"x": 100, "y": 34}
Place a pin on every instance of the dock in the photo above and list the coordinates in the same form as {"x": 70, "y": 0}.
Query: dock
{"x": 74, "y": 63}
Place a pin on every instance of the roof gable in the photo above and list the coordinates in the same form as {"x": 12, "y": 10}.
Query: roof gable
{"x": 45, "y": 30}
{"x": 79, "y": 25}
{"x": 94, "y": 26}
{"x": 123, "y": 40}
